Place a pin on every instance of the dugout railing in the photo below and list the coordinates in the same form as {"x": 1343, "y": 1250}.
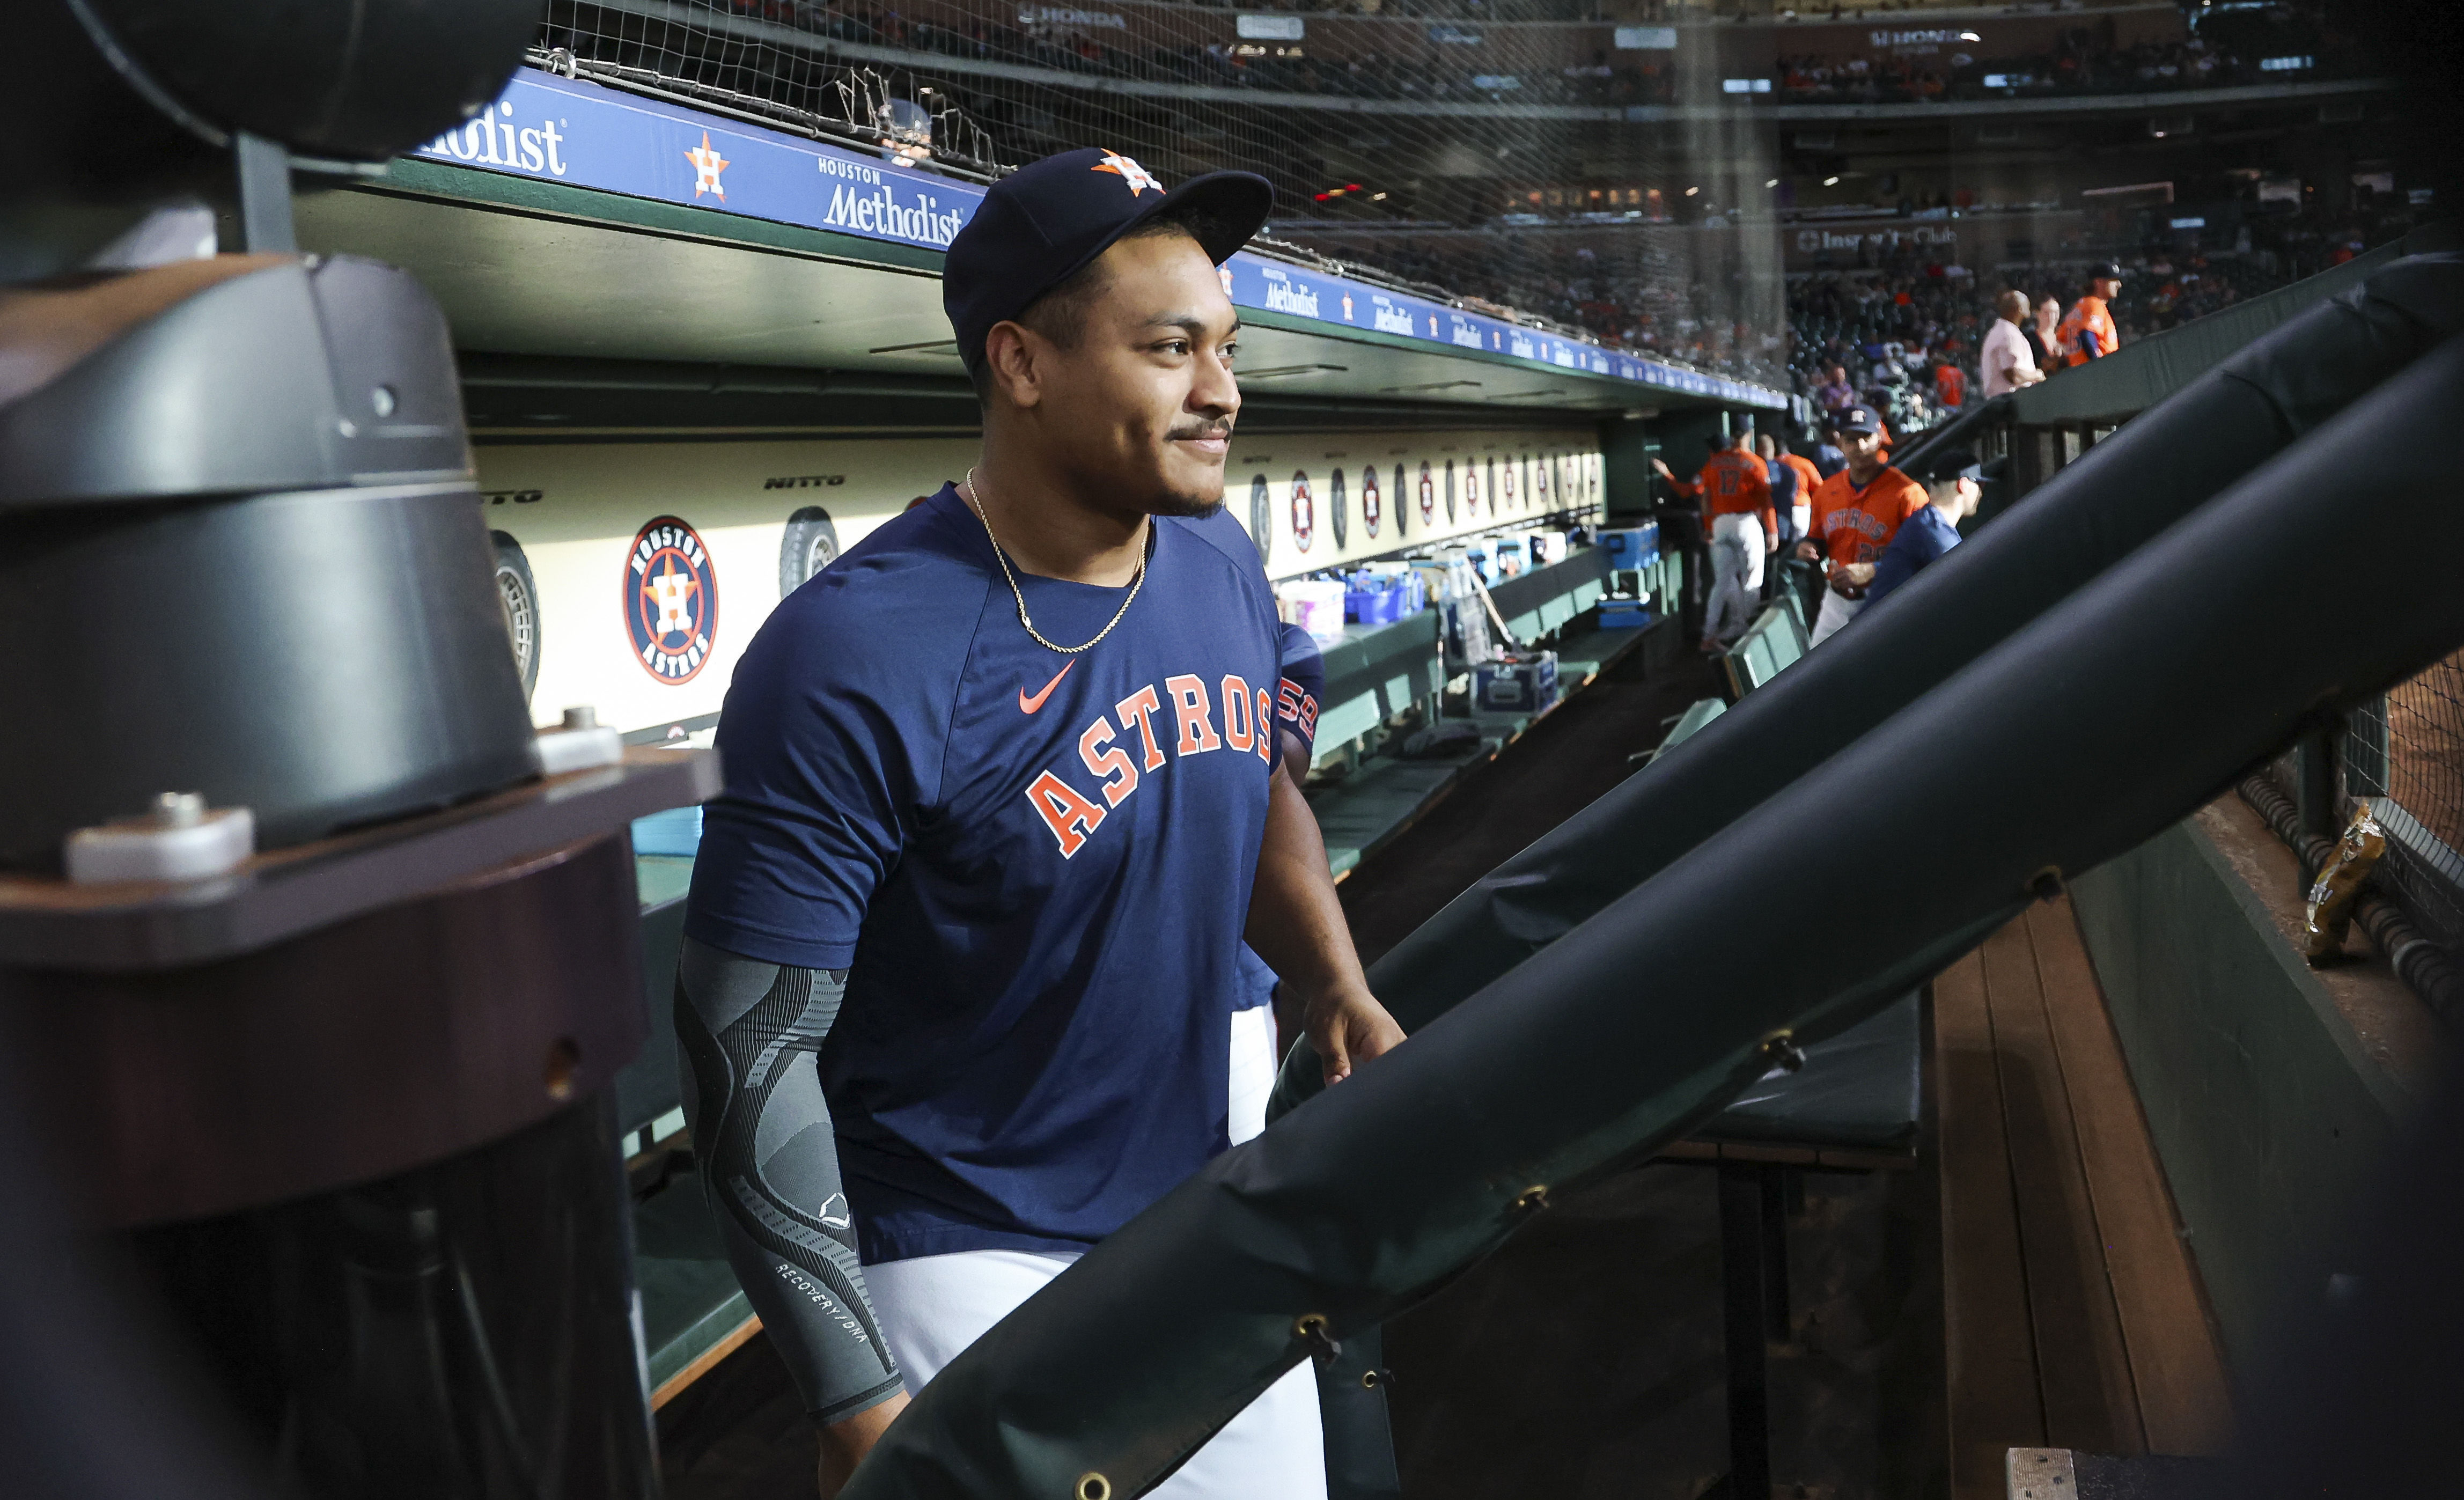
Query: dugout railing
{"x": 2401, "y": 752}
{"x": 1596, "y": 1024}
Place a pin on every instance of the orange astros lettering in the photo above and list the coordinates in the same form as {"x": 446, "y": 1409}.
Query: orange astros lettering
{"x": 1119, "y": 777}
{"x": 1140, "y": 708}
{"x": 1107, "y": 749}
{"x": 1195, "y": 715}
{"x": 1239, "y": 722}
{"x": 1069, "y": 816}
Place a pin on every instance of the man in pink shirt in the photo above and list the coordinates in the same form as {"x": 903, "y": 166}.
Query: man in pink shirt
{"x": 2006, "y": 359}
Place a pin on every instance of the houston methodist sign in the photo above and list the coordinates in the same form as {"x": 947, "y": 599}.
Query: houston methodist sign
{"x": 569, "y": 130}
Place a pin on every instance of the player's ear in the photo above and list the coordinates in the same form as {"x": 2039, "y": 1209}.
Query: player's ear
{"x": 1013, "y": 359}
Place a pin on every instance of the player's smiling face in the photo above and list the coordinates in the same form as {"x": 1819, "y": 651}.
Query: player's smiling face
{"x": 1146, "y": 401}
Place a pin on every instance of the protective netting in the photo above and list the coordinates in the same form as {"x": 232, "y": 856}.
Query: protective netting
{"x": 2405, "y": 752}
{"x": 1490, "y": 163}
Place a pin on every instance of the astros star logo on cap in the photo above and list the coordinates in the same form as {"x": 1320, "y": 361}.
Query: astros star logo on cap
{"x": 1138, "y": 177}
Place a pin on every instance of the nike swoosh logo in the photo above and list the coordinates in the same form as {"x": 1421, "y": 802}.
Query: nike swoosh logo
{"x": 1028, "y": 705}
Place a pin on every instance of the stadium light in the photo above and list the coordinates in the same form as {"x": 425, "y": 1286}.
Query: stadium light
{"x": 1774, "y": 183}
{"x": 1691, "y": 191}
{"x": 1831, "y": 182}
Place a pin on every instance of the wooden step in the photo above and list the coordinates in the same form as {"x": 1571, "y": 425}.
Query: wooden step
{"x": 2075, "y": 1314}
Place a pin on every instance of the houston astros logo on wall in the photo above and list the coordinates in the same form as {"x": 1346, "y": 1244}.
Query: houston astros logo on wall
{"x": 1428, "y": 495}
{"x": 1303, "y": 510}
{"x": 1471, "y": 486}
{"x": 671, "y": 599}
{"x": 1371, "y": 509}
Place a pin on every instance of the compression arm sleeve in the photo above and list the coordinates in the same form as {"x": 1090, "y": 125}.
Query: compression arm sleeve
{"x": 769, "y": 1163}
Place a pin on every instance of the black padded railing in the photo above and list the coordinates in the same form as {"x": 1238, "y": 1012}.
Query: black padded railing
{"x": 1624, "y": 1028}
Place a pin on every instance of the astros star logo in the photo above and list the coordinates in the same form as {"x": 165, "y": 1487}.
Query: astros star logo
{"x": 1138, "y": 177}
{"x": 671, "y": 593}
{"x": 671, "y": 599}
{"x": 706, "y": 166}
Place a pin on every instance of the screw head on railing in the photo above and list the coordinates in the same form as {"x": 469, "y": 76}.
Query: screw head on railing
{"x": 179, "y": 809}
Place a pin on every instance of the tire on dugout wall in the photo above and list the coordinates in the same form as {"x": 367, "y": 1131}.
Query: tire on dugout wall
{"x": 517, "y": 592}
{"x": 809, "y": 544}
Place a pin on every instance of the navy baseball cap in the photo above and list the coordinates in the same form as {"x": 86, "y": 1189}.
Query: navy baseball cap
{"x": 1944, "y": 465}
{"x": 1043, "y": 223}
{"x": 1856, "y": 419}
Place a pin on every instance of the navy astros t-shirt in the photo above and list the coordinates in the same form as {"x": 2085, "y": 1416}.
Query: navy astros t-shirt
{"x": 1303, "y": 671}
{"x": 1036, "y": 866}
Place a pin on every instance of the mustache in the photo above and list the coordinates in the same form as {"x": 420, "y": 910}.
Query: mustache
{"x": 1189, "y": 431}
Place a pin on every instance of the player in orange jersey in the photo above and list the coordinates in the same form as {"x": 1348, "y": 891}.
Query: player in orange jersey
{"x": 2088, "y": 332}
{"x": 1736, "y": 503}
{"x": 1856, "y": 511}
{"x": 1809, "y": 479}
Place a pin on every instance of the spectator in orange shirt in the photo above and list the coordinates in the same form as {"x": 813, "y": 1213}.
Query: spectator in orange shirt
{"x": 1856, "y": 511}
{"x": 2088, "y": 332}
{"x": 1736, "y": 501}
{"x": 1950, "y": 386}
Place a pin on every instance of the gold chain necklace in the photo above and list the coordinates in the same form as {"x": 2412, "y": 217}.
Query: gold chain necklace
{"x": 975, "y": 502}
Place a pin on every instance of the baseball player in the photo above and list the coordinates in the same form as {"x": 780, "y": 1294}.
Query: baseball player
{"x": 1954, "y": 483}
{"x": 1002, "y": 803}
{"x": 1736, "y": 499}
{"x": 2087, "y": 333}
{"x": 1809, "y": 479}
{"x": 1856, "y": 511}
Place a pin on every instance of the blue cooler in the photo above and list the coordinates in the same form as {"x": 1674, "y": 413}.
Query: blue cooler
{"x": 1522, "y": 682}
{"x": 1624, "y": 614}
{"x": 1631, "y": 548}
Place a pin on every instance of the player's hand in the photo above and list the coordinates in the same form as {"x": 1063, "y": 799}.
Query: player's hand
{"x": 1806, "y": 552}
{"x": 1771, "y": 543}
{"x": 1857, "y": 575}
{"x": 1661, "y": 470}
{"x": 845, "y": 1443}
{"x": 1348, "y": 1028}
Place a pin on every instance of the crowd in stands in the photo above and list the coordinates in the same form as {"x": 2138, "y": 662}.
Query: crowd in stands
{"x": 1905, "y": 340}
{"x": 1709, "y": 319}
{"x": 1427, "y": 9}
{"x": 2084, "y": 60}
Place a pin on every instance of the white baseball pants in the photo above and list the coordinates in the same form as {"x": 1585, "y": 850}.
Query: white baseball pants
{"x": 1736, "y": 575}
{"x": 933, "y": 1306}
{"x": 1836, "y": 612}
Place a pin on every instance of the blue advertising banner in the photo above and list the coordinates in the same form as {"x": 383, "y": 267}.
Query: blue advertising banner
{"x": 567, "y": 130}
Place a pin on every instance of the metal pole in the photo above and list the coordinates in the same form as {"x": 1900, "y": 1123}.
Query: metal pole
{"x": 265, "y": 224}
